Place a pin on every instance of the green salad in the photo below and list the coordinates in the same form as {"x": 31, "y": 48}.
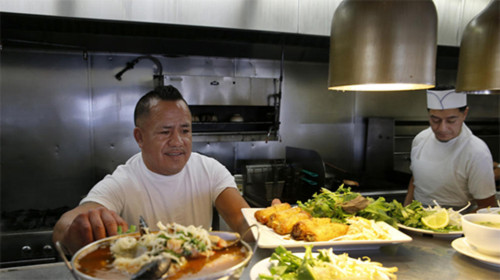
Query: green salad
{"x": 323, "y": 265}
{"x": 343, "y": 204}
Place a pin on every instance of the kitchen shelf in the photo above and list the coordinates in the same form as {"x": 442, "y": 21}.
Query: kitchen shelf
{"x": 259, "y": 123}
{"x": 199, "y": 127}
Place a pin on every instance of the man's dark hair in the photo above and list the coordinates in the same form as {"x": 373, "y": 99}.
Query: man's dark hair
{"x": 461, "y": 109}
{"x": 166, "y": 93}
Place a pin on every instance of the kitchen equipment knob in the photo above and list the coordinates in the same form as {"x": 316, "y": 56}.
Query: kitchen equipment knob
{"x": 26, "y": 249}
{"x": 236, "y": 118}
{"x": 48, "y": 249}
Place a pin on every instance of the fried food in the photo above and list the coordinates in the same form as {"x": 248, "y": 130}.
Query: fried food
{"x": 318, "y": 229}
{"x": 262, "y": 216}
{"x": 283, "y": 221}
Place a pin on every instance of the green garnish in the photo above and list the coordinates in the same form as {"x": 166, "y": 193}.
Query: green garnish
{"x": 131, "y": 229}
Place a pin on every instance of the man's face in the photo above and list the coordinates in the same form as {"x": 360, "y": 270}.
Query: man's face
{"x": 446, "y": 124}
{"x": 165, "y": 137}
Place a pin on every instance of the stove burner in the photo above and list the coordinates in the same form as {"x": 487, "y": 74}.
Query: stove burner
{"x": 31, "y": 219}
{"x": 26, "y": 236}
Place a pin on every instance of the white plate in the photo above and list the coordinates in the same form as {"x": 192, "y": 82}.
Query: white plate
{"x": 493, "y": 210}
{"x": 430, "y": 232}
{"x": 267, "y": 238}
{"x": 262, "y": 267}
{"x": 461, "y": 245}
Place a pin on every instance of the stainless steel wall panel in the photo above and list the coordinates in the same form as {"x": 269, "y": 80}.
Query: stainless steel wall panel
{"x": 399, "y": 105}
{"x": 313, "y": 117}
{"x": 449, "y": 15}
{"x": 45, "y": 142}
{"x": 224, "y": 152}
{"x": 276, "y": 15}
{"x": 219, "y": 66}
{"x": 113, "y": 104}
{"x": 315, "y": 17}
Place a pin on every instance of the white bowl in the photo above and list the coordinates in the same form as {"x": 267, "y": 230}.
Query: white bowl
{"x": 484, "y": 239}
{"x": 494, "y": 210}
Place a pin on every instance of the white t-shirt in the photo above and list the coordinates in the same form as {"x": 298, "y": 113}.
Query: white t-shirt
{"x": 185, "y": 198}
{"x": 452, "y": 172}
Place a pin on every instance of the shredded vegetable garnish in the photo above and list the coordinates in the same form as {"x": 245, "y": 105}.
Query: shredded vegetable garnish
{"x": 411, "y": 215}
{"x": 172, "y": 241}
{"x": 325, "y": 265}
{"x": 364, "y": 229}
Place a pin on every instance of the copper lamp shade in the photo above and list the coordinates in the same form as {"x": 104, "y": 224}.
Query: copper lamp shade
{"x": 479, "y": 59}
{"x": 383, "y": 45}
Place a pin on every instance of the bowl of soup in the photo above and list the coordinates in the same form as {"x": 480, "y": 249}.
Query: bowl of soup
{"x": 482, "y": 232}
{"x": 95, "y": 261}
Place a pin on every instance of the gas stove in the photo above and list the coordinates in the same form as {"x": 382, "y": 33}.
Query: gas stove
{"x": 26, "y": 237}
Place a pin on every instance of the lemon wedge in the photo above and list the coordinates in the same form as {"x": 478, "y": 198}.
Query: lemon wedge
{"x": 437, "y": 220}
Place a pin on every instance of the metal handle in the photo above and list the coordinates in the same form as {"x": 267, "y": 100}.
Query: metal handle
{"x": 62, "y": 252}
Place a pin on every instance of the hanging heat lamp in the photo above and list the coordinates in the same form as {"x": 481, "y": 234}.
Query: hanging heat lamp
{"x": 383, "y": 45}
{"x": 479, "y": 58}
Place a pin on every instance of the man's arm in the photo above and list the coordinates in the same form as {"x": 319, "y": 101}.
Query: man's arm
{"x": 483, "y": 203}
{"x": 85, "y": 224}
{"x": 409, "y": 195}
{"x": 229, "y": 204}
{"x": 496, "y": 170}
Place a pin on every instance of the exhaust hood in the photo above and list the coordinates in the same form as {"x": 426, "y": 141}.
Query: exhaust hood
{"x": 259, "y": 29}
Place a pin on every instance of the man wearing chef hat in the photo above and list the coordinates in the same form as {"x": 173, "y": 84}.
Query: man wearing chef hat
{"x": 449, "y": 164}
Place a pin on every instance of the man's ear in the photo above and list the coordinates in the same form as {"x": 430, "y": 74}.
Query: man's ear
{"x": 466, "y": 111}
{"x": 138, "y": 136}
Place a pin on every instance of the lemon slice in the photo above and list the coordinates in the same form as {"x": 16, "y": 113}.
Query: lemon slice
{"x": 437, "y": 220}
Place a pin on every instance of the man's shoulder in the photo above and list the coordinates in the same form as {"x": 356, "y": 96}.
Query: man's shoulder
{"x": 476, "y": 145}
{"x": 197, "y": 158}
{"x": 129, "y": 169}
{"x": 422, "y": 135}
{"x": 206, "y": 163}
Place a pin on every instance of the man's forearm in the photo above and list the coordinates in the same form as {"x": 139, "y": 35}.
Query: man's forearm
{"x": 409, "y": 194}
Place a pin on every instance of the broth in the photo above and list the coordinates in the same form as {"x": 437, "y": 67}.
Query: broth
{"x": 99, "y": 263}
{"x": 489, "y": 224}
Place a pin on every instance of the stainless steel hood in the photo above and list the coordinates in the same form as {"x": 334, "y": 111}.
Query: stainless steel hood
{"x": 258, "y": 29}
{"x": 304, "y": 17}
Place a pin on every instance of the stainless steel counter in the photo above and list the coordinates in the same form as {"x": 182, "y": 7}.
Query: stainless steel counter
{"x": 423, "y": 258}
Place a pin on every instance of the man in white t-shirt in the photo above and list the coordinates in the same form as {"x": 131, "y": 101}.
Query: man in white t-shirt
{"x": 165, "y": 182}
{"x": 449, "y": 164}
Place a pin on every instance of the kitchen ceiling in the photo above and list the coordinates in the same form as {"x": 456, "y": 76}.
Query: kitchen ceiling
{"x": 95, "y": 35}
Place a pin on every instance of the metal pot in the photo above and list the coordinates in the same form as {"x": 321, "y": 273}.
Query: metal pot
{"x": 233, "y": 272}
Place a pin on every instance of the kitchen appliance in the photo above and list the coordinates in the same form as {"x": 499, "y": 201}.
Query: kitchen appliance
{"x": 307, "y": 173}
{"x": 297, "y": 177}
{"x": 264, "y": 181}
{"x": 26, "y": 237}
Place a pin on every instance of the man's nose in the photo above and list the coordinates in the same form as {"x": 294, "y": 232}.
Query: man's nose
{"x": 176, "y": 139}
{"x": 442, "y": 126}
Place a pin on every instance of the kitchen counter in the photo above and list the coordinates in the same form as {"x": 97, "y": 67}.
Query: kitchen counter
{"x": 425, "y": 257}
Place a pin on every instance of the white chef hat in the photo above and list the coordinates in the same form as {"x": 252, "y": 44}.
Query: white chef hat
{"x": 445, "y": 99}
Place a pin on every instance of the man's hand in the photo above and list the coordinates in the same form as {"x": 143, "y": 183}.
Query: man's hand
{"x": 275, "y": 201}
{"x": 88, "y": 225}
